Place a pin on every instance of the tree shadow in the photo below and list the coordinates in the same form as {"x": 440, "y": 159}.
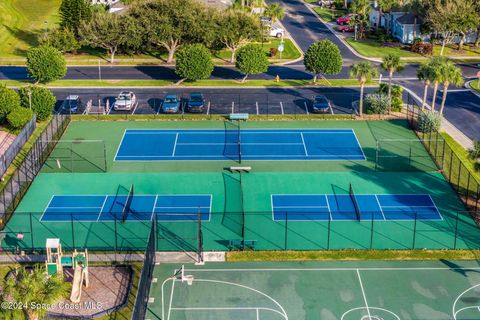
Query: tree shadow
{"x": 28, "y": 37}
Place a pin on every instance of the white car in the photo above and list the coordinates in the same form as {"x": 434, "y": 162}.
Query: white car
{"x": 276, "y": 32}
{"x": 126, "y": 100}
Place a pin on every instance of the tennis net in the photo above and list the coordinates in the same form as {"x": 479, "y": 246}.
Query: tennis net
{"x": 128, "y": 203}
{"x": 354, "y": 201}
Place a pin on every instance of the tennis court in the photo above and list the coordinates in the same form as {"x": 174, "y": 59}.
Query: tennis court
{"x": 324, "y": 207}
{"x": 330, "y": 290}
{"x": 94, "y": 208}
{"x": 247, "y": 144}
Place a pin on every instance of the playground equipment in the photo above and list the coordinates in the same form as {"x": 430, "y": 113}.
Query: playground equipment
{"x": 78, "y": 261}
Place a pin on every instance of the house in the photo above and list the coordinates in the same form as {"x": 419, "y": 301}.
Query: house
{"x": 407, "y": 27}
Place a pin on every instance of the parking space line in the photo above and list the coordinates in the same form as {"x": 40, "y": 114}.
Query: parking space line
{"x": 306, "y": 107}
{"x": 233, "y": 106}
{"x": 281, "y": 107}
{"x": 208, "y": 107}
{"x": 135, "y": 108}
{"x": 256, "y": 104}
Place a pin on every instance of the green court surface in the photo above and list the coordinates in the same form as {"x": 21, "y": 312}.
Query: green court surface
{"x": 241, "y": 205}
{"x": 366, "y": 290}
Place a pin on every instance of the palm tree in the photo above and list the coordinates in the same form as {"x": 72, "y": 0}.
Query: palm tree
{"x": 31, "y": 288}
{"x": 391, "y": 63}
{"x": 274, "y": 11}
{"x": 435, "y": 66}
{"x": 363, "y": 71}
{"x": 449, "y": 74}
{"x": 425, "y": 74}
{"x": 385, "y": 6}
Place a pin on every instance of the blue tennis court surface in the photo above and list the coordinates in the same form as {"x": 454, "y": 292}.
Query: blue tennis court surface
{"x": 297, "y": 144}
{"x": 142, "y": 208}
{"x": 341, "y": 207}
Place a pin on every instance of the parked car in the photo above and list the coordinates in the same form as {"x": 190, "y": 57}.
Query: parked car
{"x": 196, "y": 103}
{"x": 171, "y": 104}
{"x": 71, "y": 104}
{"x": 344, "y": 19}
{"x": 266, "y": 21}
{"x": 321, "y": 104}
{"x": 346, "y": 28}
{"x": 326, "y": 3}
{"x": 126, "y": 101}
{"x": 276, "y": 32}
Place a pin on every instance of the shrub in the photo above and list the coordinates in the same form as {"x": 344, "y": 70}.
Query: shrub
{"x": 61, "y": 39}
{"x": 417, "y": 40}
{"x": 251, "y": 59}
{"x": 42, "y": 100}
{"x": 425, "y": 49}
{"x": 19, "y": 117}
{"x": 9, "y": 100}
{"x": 397, "y": 93}
{"x": 429, "y": 121}
{"x": 45, "y": 64}
{"x": 475, "y": 151}
{"x": 376, "y": 103}
{"x": 193, "y": 62}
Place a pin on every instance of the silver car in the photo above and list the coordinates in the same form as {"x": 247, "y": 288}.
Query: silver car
{"x": 126, "y": 100}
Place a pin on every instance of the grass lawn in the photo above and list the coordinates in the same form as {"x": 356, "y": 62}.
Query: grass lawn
{"x": 372, "y": 49}
{"x": 353, "y": 255}
{"x": 21, "y": 21}
{"x": 463, "y": 155}
{"x": 329, "y": 14}
{"x": 451, "y": 51}
{"x": 200, "y": 83}
{"x": 290, "y": 52}
{"x": 475, "y": 85}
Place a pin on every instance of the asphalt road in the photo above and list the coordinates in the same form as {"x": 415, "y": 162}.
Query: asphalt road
{"x": 254, "y": 101}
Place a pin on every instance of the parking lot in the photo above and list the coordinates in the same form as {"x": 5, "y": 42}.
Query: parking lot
{"x": 219, "y": 101}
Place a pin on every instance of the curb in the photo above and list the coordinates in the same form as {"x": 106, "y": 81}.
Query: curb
{"x": 353, "y": 51}
{"x": 468, "y": 86}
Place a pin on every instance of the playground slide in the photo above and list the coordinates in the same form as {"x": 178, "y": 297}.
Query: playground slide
{"x": 77, "y": 285}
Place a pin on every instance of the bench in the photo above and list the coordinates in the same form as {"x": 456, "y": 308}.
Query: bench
{"x": 241, "y": 244}
{"x": 237, "y": 168}
{"x": 238, "y": 116}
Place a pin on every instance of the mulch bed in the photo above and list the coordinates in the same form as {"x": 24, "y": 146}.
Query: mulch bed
{"x": 108, "y": 290}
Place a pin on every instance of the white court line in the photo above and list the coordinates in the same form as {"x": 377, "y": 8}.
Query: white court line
{"x": 364, "y": 296}
{"x": 459, "y": 296}
{"x": 120, "y": 144}
{"x": 308, "y": 207}
{"x": 380, "y": 207}
{"x": 234, "y": 144}
{"x": 328, "y": 206}
{"x": 101, "y": 209}
{"x": 175, "y": 145}
{"x": 46, "y": 208}
{"x": 359, "y": 145}
{"x": 154, "y": 207}
{"x": 304, "y": 146}
{"x": 171, "y": 299}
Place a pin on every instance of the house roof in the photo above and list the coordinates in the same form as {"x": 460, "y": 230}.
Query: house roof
{"x": 409, "y": 18}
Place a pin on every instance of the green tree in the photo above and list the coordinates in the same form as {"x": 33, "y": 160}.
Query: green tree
{"x": 274, "y": 11}
{"x": 236, "y": 29}
{"x": 61, "y": 39}
{"x": 45, "y": 64}
{"x": 435, "y": 64}
{"x": 104, "y": 30}
{"x": 449, "y": 75}
{"x": 391, "y": 63}
{"x": 40, "y": 100}
{"x": 193, "y": 62}
{"x": 169, "y": 24}
{"x": 323, "y": 57}
{"x": 31, "y": 288}
{"x": 363, "y": 71}
{"x": 19, "y": 117}
{"x": 251, "y": 59}
{"x": 9, "y": 100}
{"x": 425, "y": 74}
{"x": 385, "y": 6}
{"x": 361, "y": 12}
{"x": 73, "y": 12}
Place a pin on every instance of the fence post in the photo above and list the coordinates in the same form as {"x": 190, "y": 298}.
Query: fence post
{"x": 286, "y": 230}
{"x": 414, "y": 229}
{"x": 73, "y": 230}
{"x": 371, "y": 232}
{"x": 329, "y": 228}
{"x": 31, "y": 232}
